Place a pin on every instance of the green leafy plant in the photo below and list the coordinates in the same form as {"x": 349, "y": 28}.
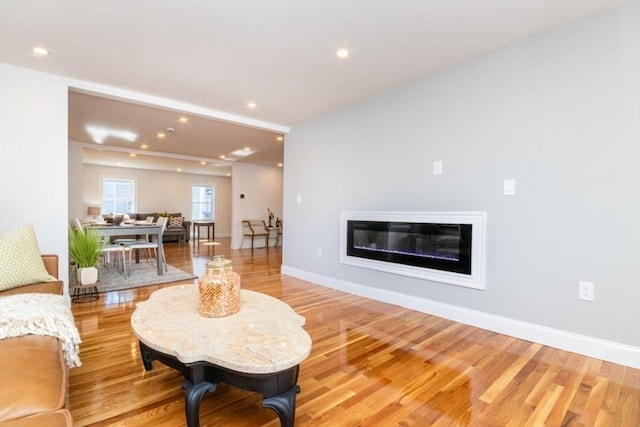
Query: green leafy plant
{"x": 85, "y": 247}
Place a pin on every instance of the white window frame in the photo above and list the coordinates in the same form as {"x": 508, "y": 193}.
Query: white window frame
{"x": 212, "y": 205}
{"x": 104, "y": 181}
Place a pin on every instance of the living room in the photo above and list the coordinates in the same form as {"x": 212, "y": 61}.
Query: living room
{"x": 557, "y": 112}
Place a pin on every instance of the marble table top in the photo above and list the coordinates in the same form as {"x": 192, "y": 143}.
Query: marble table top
{"x": 265, "y": 336}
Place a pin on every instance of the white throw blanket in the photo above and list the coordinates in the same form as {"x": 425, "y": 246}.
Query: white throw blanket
{"x": 41, "y": 314}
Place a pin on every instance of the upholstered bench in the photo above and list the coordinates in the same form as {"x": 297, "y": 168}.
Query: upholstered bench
{"x": 254, "y": 228}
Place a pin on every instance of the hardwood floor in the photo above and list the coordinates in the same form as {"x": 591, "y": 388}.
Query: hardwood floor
{"x": 372, "y": 364}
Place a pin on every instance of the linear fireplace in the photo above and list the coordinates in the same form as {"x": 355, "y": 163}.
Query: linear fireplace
{"x": 441, "y": 246}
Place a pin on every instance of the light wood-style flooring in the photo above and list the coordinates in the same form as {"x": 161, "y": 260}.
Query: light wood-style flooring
{"x": 372, "y": 364}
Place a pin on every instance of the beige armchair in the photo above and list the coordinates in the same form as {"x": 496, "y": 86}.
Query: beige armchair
{"x": 254, "y": 228}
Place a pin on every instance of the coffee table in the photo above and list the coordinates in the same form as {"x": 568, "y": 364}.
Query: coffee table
{"x": 257, "y": 349}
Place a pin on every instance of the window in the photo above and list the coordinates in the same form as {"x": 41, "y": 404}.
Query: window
{"x": 202, "y": 197}
{"x": 118, "y": 195}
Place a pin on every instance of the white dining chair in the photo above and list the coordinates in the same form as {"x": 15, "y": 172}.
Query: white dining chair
{"x": 77, "y": 224}
{"x": 148, "y": 244}
{"x": 120, "y": 259}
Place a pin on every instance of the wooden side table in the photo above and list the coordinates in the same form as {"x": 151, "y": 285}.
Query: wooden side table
{"x": 209, "y": 224}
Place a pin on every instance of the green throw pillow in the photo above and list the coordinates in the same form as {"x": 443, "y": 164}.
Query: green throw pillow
{"x": 20, "y": 259}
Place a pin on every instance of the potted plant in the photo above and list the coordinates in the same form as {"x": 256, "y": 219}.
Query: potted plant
{"x": 85, "y": 249}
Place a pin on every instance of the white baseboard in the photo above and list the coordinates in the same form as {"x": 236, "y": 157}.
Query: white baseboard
{"x": 622, "y": 354}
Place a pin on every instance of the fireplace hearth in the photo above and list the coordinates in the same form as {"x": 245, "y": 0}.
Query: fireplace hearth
{"x": 445, "y": 247}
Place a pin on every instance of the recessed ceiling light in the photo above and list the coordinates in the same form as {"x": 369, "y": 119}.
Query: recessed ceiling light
{"x": 178, "y": 170}
{"x": 144, "y": 146}
{"x": 228, "y": 174}
{"x": 222, "y": 156}
{"x": 161, "y": 135}
{"x": 342, "y": 53}
{"x": 40, "y": 51}
{"x": 203, "y": 163}
{"x": 183, "y": 119}
{"x": 279, "y": 138}
{"x": 132, "y": 154}
{"x": 280, "y": 165}
{"x": 252, "y": 105}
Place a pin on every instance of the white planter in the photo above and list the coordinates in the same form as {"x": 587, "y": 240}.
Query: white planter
{"x": 87, "y": 276}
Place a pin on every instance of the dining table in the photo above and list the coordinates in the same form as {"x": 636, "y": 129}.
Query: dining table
{"x": 135, "y": 229}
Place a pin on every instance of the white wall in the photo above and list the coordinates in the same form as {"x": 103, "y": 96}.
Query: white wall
{"x": 161, "y": 191}
{"x": 262, "y": 190}
{"x": 33, "y": 157}
{"x": 77, "y": 209}
{"x": 560, "y": 113}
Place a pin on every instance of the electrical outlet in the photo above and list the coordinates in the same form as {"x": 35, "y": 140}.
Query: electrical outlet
{"x": 586, "y": 291}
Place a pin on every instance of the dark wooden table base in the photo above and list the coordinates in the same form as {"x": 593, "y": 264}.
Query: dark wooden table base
{"x": 278, "y": 389}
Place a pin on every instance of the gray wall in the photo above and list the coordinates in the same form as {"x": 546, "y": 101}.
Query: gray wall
{"x": 560, "y": 113}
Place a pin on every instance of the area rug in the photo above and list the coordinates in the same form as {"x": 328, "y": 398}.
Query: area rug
{"x": 143, "y": 274}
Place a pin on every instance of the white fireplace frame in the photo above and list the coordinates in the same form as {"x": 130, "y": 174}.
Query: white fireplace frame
{"x": 475, "y": 280}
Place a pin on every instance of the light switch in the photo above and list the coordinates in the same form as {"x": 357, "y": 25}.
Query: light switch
{"x": 299, "y": 199}
{"x": 437, "y": 167}
{"x": 509, "y": 187}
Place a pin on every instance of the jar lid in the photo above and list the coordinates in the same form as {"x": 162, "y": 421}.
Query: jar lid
{"x": 218, "y": 261}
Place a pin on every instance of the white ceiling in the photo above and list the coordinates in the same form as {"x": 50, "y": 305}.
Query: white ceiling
{"x": 193, "y": 147}
{"x": 220, "y": 55}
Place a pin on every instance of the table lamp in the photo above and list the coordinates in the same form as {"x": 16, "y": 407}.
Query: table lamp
{"x": 93, "y": 211}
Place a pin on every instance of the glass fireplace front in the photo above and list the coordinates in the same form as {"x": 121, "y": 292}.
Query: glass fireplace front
{"x": 446, "y": 247}
{"x": 437, "y": 246}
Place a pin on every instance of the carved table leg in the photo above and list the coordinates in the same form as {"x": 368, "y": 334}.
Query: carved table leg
{"x": 147, "y": 356}
{"x": 192, "y": 396}
{"x": 284, "y": 405}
